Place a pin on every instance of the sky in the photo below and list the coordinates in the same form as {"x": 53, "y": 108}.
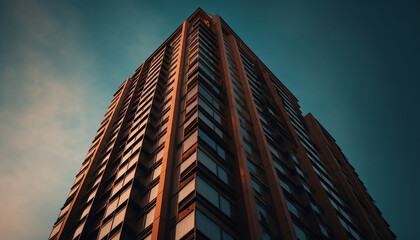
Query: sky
{"x": 352, "y": 64}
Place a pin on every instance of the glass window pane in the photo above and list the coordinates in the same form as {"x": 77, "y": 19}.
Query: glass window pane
{"x": 184, "y": 226}
{"x": 222, "y": 174}
{"x": 159, "y": 155}
{"x": 262, "y": 214}
{"x": 86, "y": 211}
{"x": 252, "y": 167}
{"x": 226, "y": 236}
{"x": 129, "y": 176}
{"x": 149, "y": 217}
{"x": 119, "y": 217}
{"x": 208, "y": 192}
{"x": 208, "y": 140}
{"x": 279, "y": 167}
{"x": 116, "y": 188}
{"x": 124, "y": 196}
{"x": 156, "y": 172}
{"x": 64, "y": 210}
{"x": 186, "y": 190}
{"x": 285, "y": 186}
{"x": 225, "y": 206}
{"x": 248, "y": 148}
{"x": 153, "y": 192}
{"x": 190, "y": 160}
{"x": 207, "y": 161}
{"x": 206, "y": 226}
{"x": 245, "y": 134}
{"x": 116, "y": 236}
{"x": 78, "y": 230}
{"x": 256, "y": 186}
{"x": 323, "y": 230}
{"x": 292, "y": 208}
{"x": 105, "y": 229}
{"x": 191, "y": 140}
{"x": 299, "y": 233}
{"x": 111, "y": 207}
{"x": 56, "y": 229}
{"x": 265, "y": 235}
{"x": 221, "y": 153}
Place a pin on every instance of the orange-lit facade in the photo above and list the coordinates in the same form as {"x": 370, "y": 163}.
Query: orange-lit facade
{"x": 204, "y": 142}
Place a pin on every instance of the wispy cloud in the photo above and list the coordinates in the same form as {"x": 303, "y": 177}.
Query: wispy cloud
{"x": 43, "y": 131}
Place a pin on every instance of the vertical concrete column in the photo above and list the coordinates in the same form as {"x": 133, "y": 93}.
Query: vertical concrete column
{"x": 245, "y": 178}
{"x": 163, "y": 197}
{"x": 278, "y": 198}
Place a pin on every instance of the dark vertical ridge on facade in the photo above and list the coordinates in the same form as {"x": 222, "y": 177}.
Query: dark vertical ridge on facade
{"x": 243, "y": 171}
{"x": 161, "y": 216}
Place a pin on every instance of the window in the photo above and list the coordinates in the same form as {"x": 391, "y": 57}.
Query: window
{"x": 78, "y": 230}
{"x": 56, "y": 229}
{"x": 209, "y": 141}
{"x": 159, "y": 155}
{"x": 153, "y": 192}
{"x": 299, "y": 233}
{"x": 129, "y": 176}
{"x": 206, "y": 226}
{"x": 184, "y": 226}
{"x": 274, "y": 151}
{"x": 300, "y": 172}
{"x": 210, "y": 124}
{"x": 295, "y": 159}
{"x": 186, "y": 190}
{"x": 119, "y": 217}
{"x": 252, "y": 167}
{"x": 262, "y": 214}
{"x": 248, "y": 148}
{"x": 315, "y": 208}
{"x": 111, "y": 207}
{"x": 156, "y": 172}
{"x": 292, "y": 208}
{"x": 86, "y": 211}
{"x": 203, "y": 105}
{"x": 212, "y": 165}
{"x": 105, "y": 229}
{"x": 323, "y": 230}
{"x": 203, "y": 92}
{"x": 256, "y": 186}
{"x": 265, "y": 235}
{"x": 245, "y": 134}
{"x": 224, "y": 206}
{"x": 213, "y": 196}
{"x": 64, "y": 210}
{"x": 149, "y": 217}
{"x": 191, "y": 140}
{"x": 285, "y": 186}
{"x": 279, "y": 167}
{"x": 190, "y": 160}
{"x": 208, "y": 192}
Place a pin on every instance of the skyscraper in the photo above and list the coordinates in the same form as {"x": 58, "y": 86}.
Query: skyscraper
{"x": 203, "y": 141}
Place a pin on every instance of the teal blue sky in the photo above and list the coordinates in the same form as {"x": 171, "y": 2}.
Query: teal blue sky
{"x": 353, "y": 64}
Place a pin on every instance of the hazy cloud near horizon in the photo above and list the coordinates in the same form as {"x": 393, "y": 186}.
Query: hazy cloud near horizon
{"x": 41, "y": 110}
{"x": 53, "y": 86}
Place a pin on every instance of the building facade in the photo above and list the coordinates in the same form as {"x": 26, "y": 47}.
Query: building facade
{"x": 204, "y": 142}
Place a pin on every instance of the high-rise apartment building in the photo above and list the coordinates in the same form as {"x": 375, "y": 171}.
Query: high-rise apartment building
{"x": 204, "y": 142}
